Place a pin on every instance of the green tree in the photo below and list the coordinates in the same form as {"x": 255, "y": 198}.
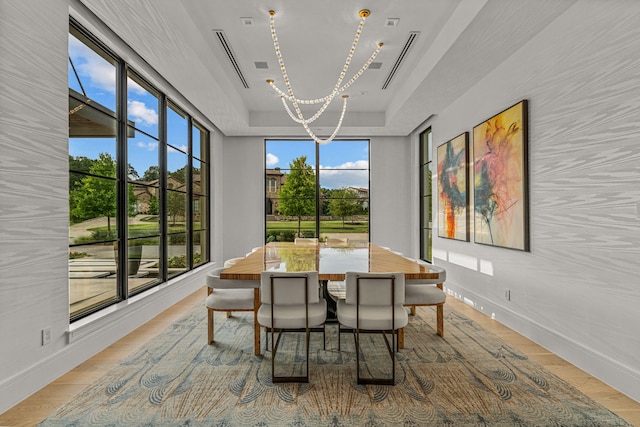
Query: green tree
{"x": 152, "y": 173}
{"x": 175, "y": 204}
{"x": 298, "y": 194}
{"x": 154, "y": 206}
{"x": 94, "y": 197}
{"x": 344, "y": 203}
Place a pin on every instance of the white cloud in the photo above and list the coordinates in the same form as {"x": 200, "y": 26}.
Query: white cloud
{"x": 272, "y": 159}
{"x": 139, "y": 112}
{"x": 91, "y": 66}
{"x": 349, "y": 174}
{"x": 184, "y": 148}
{"x": 149, "y": 146}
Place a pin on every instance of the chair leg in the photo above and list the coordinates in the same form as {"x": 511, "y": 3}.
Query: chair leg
{"x": 210, "y": 326}
{"x": 228, "y": 314}
{"x": 413, "y": 310}
{"x": 440, "y": 319}
{"x": 392, "y": 352}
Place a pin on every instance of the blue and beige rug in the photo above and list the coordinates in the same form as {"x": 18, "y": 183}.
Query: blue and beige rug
{"x": 468, "y": 378}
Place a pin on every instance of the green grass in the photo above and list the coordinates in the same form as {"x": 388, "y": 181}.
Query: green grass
{"x": 329, "y": 226}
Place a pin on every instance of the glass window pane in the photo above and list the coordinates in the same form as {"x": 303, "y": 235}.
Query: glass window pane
{"x": 92, "y": 209}
{"x": 142, "y": 154}
{"x": 176, "y": 210}
{"x": 200, "y": 247}
{"x": 199, "y": 211}
{"x": 196, "y": 177}
{"x": 177, "y": 129}
{"x": 92, "y": 277}
{"x": 177, "y": 253}
{"x": 143, "y": 218}
{"x": 92, "y": 73}
{"x": 177, "y": 169}
{"x": 91, "y": 133}
{"x": 142, "y": 106}
{"x": 143, "y": 263}
{"x": 196, "y": 137}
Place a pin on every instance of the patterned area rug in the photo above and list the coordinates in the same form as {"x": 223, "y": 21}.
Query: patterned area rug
{"x": 468, "y": 378}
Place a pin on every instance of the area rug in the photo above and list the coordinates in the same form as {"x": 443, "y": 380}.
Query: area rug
{"x": 468, "y": 378}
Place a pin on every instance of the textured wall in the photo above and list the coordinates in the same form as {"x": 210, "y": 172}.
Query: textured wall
{"x": 34, "y": 233}
{"x": 576, "y": 292}
{"x": 33, "y": 181}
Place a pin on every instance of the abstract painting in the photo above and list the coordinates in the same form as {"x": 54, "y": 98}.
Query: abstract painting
{"x": 500, "y": 179}
{"x": 453, "y": 197}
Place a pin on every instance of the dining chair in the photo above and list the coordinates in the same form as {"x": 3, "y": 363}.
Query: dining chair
{"x": 228, "y": 296}
{"x": 428, "y": 292}
{"x": 291, "y": 302}
{"x": 374, "y": 303}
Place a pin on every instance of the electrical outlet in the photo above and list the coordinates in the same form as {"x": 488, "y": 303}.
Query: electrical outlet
{"x": 46, "y": 336}
{"x": 507, "y": 294}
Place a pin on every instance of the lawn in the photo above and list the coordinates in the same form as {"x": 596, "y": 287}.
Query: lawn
{"x": 326, "y": 226}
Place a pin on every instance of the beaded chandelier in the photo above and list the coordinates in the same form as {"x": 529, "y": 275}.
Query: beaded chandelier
{"x": 326, "y": 100}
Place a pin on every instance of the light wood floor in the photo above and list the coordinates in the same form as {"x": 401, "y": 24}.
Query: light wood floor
{"x": 37, "y": 407}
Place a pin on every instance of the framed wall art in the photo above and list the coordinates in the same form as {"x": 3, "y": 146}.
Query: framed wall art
{"x": 453, "y": 196}
{"x": 500, "y": 179}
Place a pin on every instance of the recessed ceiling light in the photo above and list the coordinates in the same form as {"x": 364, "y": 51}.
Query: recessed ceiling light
{"x": 392, "y": 22}
{"x": 261, "y": 65}
{"x": 375, "y": 65}
{"x": 247, "y": 21}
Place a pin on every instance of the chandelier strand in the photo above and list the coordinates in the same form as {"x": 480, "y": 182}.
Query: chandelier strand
{"x": 326, "y": 100}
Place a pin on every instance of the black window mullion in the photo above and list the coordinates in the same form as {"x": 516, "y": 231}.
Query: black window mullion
{"x": 189, "y": 201}
{"x": 317, "y": 166}
{"x": 162, "y": 199}
{"x": 123, "y": 182}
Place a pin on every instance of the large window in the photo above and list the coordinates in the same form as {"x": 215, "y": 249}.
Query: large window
{"x": 317, "y": 190}
{"x": 136, "y": 160}
{"x": 426, "y": 198}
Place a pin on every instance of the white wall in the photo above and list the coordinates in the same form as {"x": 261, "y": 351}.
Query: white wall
{"x": 34, "y": 211}
{"x": 243, "y": 195}
{"x": 392, "y": 166}
{"x": 576, "y": 292}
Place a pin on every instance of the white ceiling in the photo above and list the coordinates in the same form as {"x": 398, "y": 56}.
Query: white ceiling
{"x": 459, "y": 42}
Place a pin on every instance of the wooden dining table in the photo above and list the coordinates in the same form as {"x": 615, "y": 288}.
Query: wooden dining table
{"x": 329, "y": 260}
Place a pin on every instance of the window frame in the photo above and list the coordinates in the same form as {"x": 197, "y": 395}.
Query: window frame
{"x": 124, "y": 289}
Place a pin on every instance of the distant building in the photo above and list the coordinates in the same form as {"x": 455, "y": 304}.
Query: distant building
{"x": 274, "y": 180}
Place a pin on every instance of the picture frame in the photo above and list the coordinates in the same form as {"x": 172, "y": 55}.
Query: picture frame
{"x": 453, "y": 193}
{"x": 500, "y": 176}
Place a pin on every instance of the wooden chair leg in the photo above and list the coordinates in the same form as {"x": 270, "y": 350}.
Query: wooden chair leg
{"x": 400, "y": 338}
{"x": 413, "y": 310}
{"x": 440, "y": 319}
{"x": 210, "y": 326}
{"x": 228, "y": 314}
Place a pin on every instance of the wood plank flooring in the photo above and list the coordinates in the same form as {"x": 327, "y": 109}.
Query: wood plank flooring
{"x": 38, "y": 406}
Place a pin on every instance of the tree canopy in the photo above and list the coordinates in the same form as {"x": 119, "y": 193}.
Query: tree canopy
{"x": 298, "y": 194}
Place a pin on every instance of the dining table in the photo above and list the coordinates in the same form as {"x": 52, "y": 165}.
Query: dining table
{"x": 331, "y": 261}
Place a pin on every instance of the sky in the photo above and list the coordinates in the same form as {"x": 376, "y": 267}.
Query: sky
{"x": 343, "y": 163}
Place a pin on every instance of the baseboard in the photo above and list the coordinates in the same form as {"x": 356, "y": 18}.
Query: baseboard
{"x": 620, "y": 377}
{"x": 89, "y": 339}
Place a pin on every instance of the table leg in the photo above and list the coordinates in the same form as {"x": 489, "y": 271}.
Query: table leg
{"x": 256, "y": 325}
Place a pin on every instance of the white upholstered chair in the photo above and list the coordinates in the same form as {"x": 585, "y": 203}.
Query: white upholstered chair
{"x": 225, "y": 295}
{"x": 428, "y": 292}
{"x": 290, "y": 302}
{"x": 374, "y": 303}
